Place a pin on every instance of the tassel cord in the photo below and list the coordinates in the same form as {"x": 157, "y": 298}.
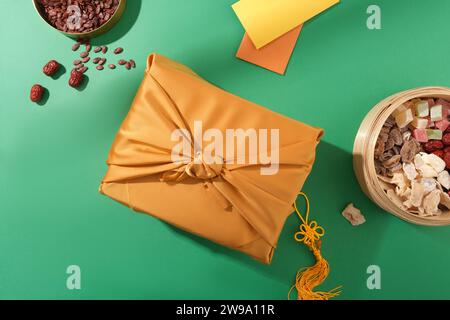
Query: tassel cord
{"x": 309, "y": 278}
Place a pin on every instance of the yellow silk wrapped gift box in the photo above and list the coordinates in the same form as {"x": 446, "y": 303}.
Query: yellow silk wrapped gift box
{"x": 239, "y": 203}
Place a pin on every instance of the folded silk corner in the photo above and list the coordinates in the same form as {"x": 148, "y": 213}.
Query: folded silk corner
{"x": 267, "y": 20}
{"x": 275, "y": 56}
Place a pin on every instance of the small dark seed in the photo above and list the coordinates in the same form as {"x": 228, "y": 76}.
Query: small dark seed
{"x": 96, "y": 60}
{"x": 99, "y": 67}
{"x": 102, "y": 61}
{"x": 118, "y": 50}
{"x": 104, "y": 49}
{"x": 133, "y": 63}
{"x": 97, "y": 49}
{"x": 112, "y": 66}
{"x": 84, "y": 54}
{"x": 88, "y": 47}
{"x": 76, "y": 62}
{"x": 85, "y": 60}
{"x": 78, "y": 67}
{"x": 122, "y": 62}
{"x": 76, "y": 46}
{"x": 83, "y": 70}
{"x": 128, "y": 66}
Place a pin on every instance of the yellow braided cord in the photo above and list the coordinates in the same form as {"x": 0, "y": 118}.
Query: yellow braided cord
{"x": 309, "y": 278}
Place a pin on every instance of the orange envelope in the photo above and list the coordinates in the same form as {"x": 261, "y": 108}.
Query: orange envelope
{"x": 274, "y": 56}
{"x": 236, "y": 203}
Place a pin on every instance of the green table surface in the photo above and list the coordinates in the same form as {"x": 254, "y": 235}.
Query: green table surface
{"x": 52, "y": 157}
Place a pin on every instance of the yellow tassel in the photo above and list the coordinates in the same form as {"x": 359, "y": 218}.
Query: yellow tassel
{"x": 309, "y": 278}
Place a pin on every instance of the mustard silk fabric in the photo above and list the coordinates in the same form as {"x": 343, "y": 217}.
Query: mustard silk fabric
{"x": 235, "y": 205}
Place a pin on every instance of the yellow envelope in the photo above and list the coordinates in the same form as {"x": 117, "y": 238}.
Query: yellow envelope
{"x": 266, "y": 20}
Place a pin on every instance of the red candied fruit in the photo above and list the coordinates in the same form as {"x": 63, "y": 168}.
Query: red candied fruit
{"x": 433, "y": 145}
{"x": 447, "y": 160}
{"x": 446, "y": 139}
{"x": 439, "y": 153}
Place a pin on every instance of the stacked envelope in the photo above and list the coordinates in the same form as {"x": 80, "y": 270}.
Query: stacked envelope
{"x": 273, "y": 27}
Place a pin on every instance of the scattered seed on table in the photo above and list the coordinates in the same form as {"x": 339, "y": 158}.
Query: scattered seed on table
{"x": 79, "y": 66}
{"x": 102, "y": 61}
{"x": 112, "y": 66}
{"x": 76, "y": 62}
{"x": 132, "y": 63}
{"x": 97, "y": 49}
{"x": 96, "y": 60}
{"x": 128, "y": 66}
{"x": 118, "y": 50}
{"x": 85, "y": 60}
{"x": 75, "y": 69}
{"x": 76, "y": 46}
{"x": 84, "y": 54}
{"x": 100, "y": 67}
{"x": 104, "y": 49}
{"x": 88, "y": 47}
{"x": 83, "y": 70}
{"x": 122, "y": 62}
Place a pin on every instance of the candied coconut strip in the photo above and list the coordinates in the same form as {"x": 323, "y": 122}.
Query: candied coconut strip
{"x": 385, "y": 186}
{"x": 417, "y": 193}
{"x": 429, "y": 184}
{"x": 445, "y": 200}
{"x": 385, "y": 179}
{"x": 410, "y": 171}
{"x": 395, "y": 199}
{"x": 433, "y": 161}
{"x": 444, "y": 179}
{"x": 353, "y": 215}
{"x": 406, "y": 193}
{"x": 431, "y": 203}
{"x": 427, "y": 171}
{"x": 398, "y": 178}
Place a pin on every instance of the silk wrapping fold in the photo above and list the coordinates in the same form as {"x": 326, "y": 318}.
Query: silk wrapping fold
{"x": 231, "y": 204}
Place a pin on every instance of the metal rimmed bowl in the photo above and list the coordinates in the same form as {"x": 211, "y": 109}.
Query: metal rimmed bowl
{"x": 86, "y": 35}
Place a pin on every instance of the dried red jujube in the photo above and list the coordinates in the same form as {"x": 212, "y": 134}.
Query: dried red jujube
{"x": 36, "y": 93}
{"x": 433, "y": 145}
{"x": 51, "y": 68}
{"x": 76, "y": 78}
{"x": 446, "y": 139}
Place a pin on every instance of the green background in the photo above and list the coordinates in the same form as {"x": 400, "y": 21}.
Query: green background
{"x": 52, "y": 157}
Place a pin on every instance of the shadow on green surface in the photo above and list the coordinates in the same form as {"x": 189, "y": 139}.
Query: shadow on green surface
{"x": 330, "y": 187}
{"x": 45, "y": 98}
{"x": 130, "y": 15}
{"x": 62, "y": 70}
{"x": 84, "y": 85}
